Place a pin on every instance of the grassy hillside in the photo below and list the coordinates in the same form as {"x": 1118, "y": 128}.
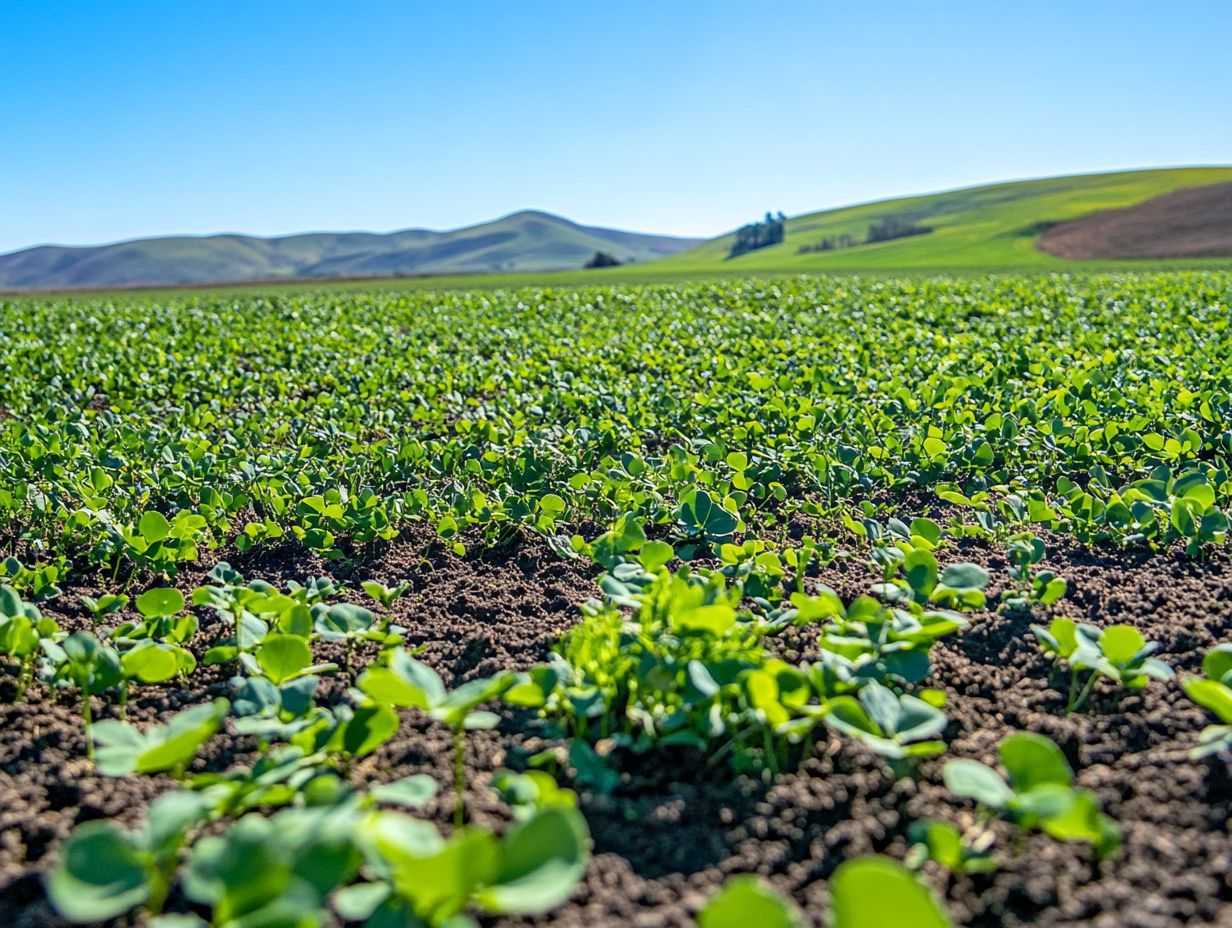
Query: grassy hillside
{"x": 992, "y": 227}
{"x": 524, "y": 241}
{"x": 977, "y": 229}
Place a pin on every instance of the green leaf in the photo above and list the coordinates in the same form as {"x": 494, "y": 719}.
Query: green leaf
{"x": 412, "y": 792}
{"x": 157, "y": 603}
{"x": 281, "y": 657}
{"x": 655, "y": 554}
{"x": 747, "y": 902}
{"x": 551, "y": 503}
{"x": 965, "y": 577}
{"x": 368, "y": 729}
{"x": 177, "y": 742}
{"x": 1033, "y": 760}
{"x": 713, "y": 619}
{"x": 154, "y": 526}
{"x": 404, "y": 682}
{"x": 150, "y": 663}
{"x": 927, "y": 529}
{"x": 101, "y": 874}
{"x": 920, "y": 569}
{"x": 1218, "y": 663}
{"x": 876, "y": 892}
{"x": 1211, "y": 695}
{"x": 1121, "y": 643}
{"x": 973, "y": 780}
{"x": 542, "y": 859}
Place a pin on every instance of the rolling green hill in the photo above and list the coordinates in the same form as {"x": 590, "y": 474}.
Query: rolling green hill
{"x": 524, "y": 241}
{"x": 990, "y": 227}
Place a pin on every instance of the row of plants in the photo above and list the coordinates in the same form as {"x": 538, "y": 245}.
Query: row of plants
{"x": 666, "y": 659}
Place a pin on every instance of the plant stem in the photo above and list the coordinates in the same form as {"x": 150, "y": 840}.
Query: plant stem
{"x": 459, "y": 776}
{"x": 88, "y": 717}
{"x": 23, "y": 679}
{"x": 1086, "y": 690}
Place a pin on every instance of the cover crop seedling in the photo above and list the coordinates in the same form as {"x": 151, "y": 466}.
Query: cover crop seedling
{"x": 1118, "y": 653}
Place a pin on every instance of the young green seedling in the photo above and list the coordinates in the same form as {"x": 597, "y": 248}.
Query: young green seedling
{"x": 1039, "y": 792}
{"x": 275, "y": 871}
{"x": 406, "y": 683}
{"x": 123, "y": 749}
{"x": 23, "y": 629}
{"x": 352, "y": 624}
{"x": 944, "y": 844}
{"x": 104, "y": 606}
{"x": 385, "y": 595}
{"x": 923, "y": 582}
{"x": 1213, "y": 692}
{"x": 1042, "y": 588}
{"x": 104, "y": 871}
{"x": 93, "y": 668}
{"x": 1119, "y": 653}
{"x": 527, "y": 793}
{"x": 899, "y": 728}
{"x": 423, "y": 879}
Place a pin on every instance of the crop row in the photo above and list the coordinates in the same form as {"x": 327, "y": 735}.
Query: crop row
{"x": 664, "y": 659}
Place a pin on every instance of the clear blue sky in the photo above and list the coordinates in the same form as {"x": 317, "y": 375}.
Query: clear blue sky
{"x": 130, "y": 118}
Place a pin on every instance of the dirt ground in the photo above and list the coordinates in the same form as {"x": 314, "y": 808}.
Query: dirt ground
{"x": 1192, "y": 223}
{"x": 672, "y": 832}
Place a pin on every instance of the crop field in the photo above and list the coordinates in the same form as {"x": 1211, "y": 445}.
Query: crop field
{"x": 790, "y": 602}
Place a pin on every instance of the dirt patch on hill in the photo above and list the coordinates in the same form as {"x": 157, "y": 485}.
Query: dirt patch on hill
{"x": 1192, "y": 223}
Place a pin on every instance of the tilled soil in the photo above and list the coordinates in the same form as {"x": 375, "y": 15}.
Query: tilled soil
{"x": 1194, "y": 222}
{"x": 673, "y": 831}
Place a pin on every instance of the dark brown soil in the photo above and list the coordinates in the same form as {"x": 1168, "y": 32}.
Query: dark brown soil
{"x": 1195, "y": 222}
{"x": 671, "y": 833}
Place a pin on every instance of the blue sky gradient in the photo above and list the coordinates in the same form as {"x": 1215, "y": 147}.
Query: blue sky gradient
{"x": 137, "y": 118}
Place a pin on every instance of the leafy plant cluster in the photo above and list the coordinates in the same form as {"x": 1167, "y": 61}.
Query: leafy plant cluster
{"x": 681, "y": 659}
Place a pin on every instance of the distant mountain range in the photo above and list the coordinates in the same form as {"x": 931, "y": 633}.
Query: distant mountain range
{"x": 524, "y": 241}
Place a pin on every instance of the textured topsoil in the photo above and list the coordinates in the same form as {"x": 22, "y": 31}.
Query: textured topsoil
{"x": 1192, "y": 223}
{"x": 672, "y": 832}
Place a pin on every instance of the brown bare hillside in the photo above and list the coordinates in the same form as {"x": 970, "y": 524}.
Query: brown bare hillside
{"x": 1192, "y": 223}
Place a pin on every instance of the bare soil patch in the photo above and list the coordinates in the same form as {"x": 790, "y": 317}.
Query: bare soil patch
{"x": 1192, "y": 223}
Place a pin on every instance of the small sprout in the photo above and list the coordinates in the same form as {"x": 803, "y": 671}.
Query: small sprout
{"x": 283, "y": 658}
{"x": 1040, "y": 588}
{"x": 922, "y": 581}
{"x": 747, "y": 901}
{"x": 385, "y": 595}
{"x": 276, "y": 871}
{"x": 25, "y": 633}
{"x": 103, "y": 606}
{"x": 531, "y": 868}
{"x": 531, "y": 791}
{"x": 404, "y": 682}
{"x": 944, "y": 844}
{"x": 88, "y": 665}
{"x": 123, "y": 749}
{"x": 1213, "y": 692}
{"x": 1119, "y": 653}
{"x": 412, "y": 792}
{"x": 899, "y": 728}
{"x": 1039, "y": 792}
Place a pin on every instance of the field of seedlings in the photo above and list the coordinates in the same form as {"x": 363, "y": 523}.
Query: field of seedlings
{"x": 768, "y": 604}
